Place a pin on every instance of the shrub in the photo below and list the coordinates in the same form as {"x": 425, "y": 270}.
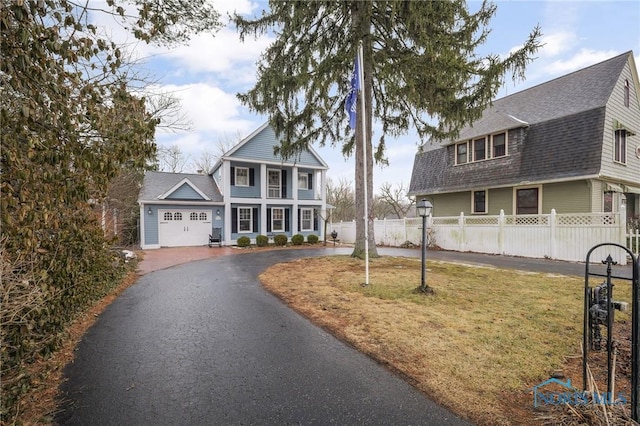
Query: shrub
{"x": 244, "y": 241}
{"x": 280, "y": 240}
{"x": 312, "y": 239}
{"x": 297, "y": 239}
{"x": 262, "y": 240}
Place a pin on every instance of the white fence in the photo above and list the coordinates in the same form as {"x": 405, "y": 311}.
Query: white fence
{"x": 554, "y": 236}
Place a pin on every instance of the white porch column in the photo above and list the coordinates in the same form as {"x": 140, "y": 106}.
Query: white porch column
{"x": 294, "y": 183}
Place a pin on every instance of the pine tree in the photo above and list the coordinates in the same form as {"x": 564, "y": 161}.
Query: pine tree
{"x": 421, "y": 71}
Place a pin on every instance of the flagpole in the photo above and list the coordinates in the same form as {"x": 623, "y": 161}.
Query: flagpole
{"x": 364, "y": 159}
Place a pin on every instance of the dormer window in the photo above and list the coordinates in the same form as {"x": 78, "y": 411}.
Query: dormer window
{"x": 620, "y": 146}
{"x": 479, "y": 149}
{"x": 626, "y": 93}
{"x": 499, "y": 145}
{"x": 461, "y": 153}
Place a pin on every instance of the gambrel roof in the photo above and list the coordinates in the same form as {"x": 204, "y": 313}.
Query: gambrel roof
{"x": 558, "y": 127}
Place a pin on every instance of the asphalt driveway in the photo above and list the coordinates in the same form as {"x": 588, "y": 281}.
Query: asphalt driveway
{"x": 203, "y": 344}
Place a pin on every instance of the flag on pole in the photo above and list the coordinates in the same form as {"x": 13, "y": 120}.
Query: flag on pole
{"x": 351, "y": 102}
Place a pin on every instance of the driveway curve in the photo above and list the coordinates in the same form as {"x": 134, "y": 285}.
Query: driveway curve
{"x": 204, "y": 344}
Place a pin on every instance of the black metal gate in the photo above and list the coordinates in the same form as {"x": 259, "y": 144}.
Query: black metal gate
{"x": 599, "y": 308}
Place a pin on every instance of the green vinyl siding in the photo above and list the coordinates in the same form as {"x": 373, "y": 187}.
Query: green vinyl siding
{"x": 450, "y": 204}
{"x": 500, "y": 199}
{"x": 566, "y": 197}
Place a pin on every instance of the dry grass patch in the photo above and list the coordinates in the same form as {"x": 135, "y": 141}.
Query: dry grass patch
{"x": 478, "y": 345}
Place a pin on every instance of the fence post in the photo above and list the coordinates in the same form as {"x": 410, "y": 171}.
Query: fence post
{"x": 552, "y": 234}
{"x": 462, "y": 237}
{"x": 623, "y": 225}
{"x": 404, "y": 229}
{"x": 501, "y": 232}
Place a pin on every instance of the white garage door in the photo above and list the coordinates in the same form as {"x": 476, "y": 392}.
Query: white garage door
{"x": 184, "y": 228}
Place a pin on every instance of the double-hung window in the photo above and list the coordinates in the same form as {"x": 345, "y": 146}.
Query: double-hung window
{"x": 461, "y": 153}
{"x": 527, "y": 201}
{"x": 499, "y": 145}
{"x": 303, "y": 181}
{"x": 479, "y": 149}
{"x": 277, "y": 219}
{"x": 306, "y": 219}
{"x": 242, "y": 176}
{"x": 620, "y": 146}
{"x": 479, "y": 201}
{"x": 245, "y": 219}
{"x": 274, "y": 183}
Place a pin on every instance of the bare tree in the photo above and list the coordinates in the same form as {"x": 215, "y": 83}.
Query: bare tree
{"x": 341, "y": 196}
{"x": 171, "y": 159}
{"x": 208, "y": 158}
{"x": 394, "y": 199}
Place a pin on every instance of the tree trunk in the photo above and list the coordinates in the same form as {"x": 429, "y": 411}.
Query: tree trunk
{"x": 362, "y": 22}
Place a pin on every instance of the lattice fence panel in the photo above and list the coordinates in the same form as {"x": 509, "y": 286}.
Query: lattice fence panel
{"x": 527, "y": 220}
{"x": 586, "y": 219}
{"x": 484, "y": 220}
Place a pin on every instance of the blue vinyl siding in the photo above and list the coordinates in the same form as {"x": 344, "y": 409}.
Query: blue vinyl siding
{"x": 307, "y": 194}
{"x": 261, "y": 148}
{"x": 246, "y": 191}
{"x": 256, "y": 232}
{"x": 151, "y": 220}
{"x": 185, "y": 192}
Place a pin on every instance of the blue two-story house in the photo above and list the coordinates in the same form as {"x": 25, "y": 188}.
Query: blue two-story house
{"x": 249, "y": 192}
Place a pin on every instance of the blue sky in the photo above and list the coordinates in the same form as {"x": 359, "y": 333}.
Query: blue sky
{"x": 208, "y": 72}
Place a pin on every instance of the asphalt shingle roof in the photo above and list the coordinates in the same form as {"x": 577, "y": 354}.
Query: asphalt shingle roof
{"x": 155, "y": 184}
{"x": 556, "y": 131}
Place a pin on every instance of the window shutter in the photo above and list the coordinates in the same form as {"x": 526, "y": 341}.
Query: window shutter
{"x": 299, "y": 220}
{"x": 252, "y": 177}
{"x": 310, "y": 181}
{"x": 268, "y": 220}
{"x": 284, "y": 184}
{"x": 233, "y": 176}
{"x": 234, "y": 220}
{"x": 287, "y": 224}
{"x": 315, "y": 220}
{"x": 255, "y": 220}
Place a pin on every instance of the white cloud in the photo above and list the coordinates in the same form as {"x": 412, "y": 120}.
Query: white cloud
{"x": 220, "y": 54}
{"x": 209, "y": 108}
{"x": 583, "y": 58}
{"x": 556, "y": 43}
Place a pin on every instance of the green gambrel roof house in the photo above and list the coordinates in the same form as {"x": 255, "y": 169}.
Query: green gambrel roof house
{"x": 571, "y": 144}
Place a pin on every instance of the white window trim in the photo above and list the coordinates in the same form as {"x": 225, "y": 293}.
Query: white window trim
{"x": 250, "y": 220}
{"x": 302, "y": 219}
{"x": 456, "y": 152}
{"x": 486, "y": 201}
{"x": 515, "y": 198}
{"x": 269, "y": 186}
{"x": 473, "y": 148}
{"x": 506, "y": 144}
{"x": 623, "y": 152}
{"x": 305, "y": 178}
{"x": 237, "y": 169}
{"x": 273, "y": 228}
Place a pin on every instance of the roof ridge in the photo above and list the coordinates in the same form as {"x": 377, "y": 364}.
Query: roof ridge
{"x": 580, "y": 70}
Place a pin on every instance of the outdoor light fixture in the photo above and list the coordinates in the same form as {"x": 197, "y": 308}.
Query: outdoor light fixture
{"x": 218, "y": 212}
{"x": 424, "y": 208}
{"x": 149, "y": 211}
